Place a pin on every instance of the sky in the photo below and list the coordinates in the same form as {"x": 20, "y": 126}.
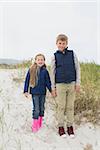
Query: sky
{"x": 31, "y": 27}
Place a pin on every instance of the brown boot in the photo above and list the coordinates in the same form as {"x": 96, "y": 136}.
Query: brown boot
{"x": 62, "y": 132}
{"x": 70, "y": 131}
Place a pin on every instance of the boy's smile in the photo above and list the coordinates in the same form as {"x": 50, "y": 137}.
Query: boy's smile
{"x": 61, "y": 45}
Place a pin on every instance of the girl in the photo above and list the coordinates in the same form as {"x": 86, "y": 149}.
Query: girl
{"x": 37, "y": 79}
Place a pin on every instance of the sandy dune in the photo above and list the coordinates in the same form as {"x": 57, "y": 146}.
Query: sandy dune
{"x": 15, "y": 122}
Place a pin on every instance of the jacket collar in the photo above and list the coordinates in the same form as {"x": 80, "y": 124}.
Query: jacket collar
{"x": 42, "y": 67}
{"x": 64, "y": 52}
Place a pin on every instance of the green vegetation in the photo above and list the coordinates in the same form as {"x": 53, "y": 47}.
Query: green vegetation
{"x": 88, "y": 100}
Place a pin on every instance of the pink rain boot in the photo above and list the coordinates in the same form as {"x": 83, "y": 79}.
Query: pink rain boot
{"x": 35, "y": 125}
{"x": 40, "y": 121}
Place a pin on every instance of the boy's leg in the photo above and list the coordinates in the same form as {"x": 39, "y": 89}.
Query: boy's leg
{"x": 70, "y": 104}
{"x": 60, "y": 104}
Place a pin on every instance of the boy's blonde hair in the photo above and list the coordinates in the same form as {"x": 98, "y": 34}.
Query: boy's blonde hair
{"x": 62, "y": 37}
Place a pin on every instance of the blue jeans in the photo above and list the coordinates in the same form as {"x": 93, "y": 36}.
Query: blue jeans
{"x": 38, "y": 106}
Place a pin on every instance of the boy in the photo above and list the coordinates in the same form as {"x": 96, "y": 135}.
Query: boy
{"x": 65, "y": 79}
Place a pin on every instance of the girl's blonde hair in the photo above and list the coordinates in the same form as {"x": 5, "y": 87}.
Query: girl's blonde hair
{"x": 40, "y": 55}
{"x": 33, "y": 70}
{"x": 33, "y": 59}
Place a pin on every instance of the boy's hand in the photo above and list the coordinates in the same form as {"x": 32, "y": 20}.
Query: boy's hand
{"x": 26, "y": 94}
{"x": 77, "y": 88}
{"x": 54, "y": 93}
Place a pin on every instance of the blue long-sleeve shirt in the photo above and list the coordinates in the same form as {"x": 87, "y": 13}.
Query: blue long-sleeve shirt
{"x": 43, "y": 83}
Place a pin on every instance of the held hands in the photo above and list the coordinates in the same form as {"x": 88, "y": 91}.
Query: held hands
{"x": 77, "y": 88}
{"x": 54, "y": 93}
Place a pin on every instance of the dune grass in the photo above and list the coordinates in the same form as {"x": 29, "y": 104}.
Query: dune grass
{"x": 88, "y": 100}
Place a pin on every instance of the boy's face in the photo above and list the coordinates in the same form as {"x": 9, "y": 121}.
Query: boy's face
{"x": 40, "y": 61}
{"x": 61, "y": 45}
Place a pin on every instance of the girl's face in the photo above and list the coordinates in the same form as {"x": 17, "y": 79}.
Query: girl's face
{"x": 40, "y": 61}
{"x": 61, "y": 45}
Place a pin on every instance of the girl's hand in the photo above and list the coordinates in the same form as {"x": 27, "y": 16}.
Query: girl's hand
{"x": 26, "y": 94}
{"x": 77, "y": 88}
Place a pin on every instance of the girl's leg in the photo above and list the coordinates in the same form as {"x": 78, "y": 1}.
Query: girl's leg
{"x": 35, "y": 99}
{"x": 42, "y": 105}
{"x": 42, "y": 109}
{"x": 35, "y": 123}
